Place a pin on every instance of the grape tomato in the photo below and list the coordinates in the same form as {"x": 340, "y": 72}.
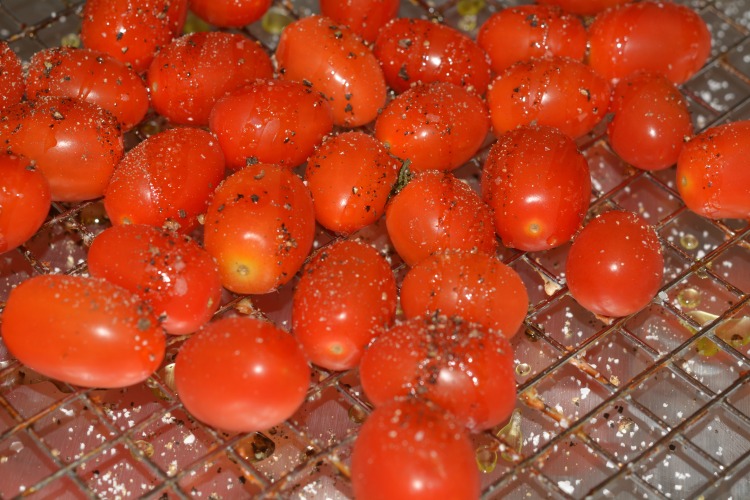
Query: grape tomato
{"x": 364, "y": 17}
{"x": 11, "y": 77}
{"x": 230, "y": 13}
{"x": 24, "y": 201}
{"x": 584, "y": 7}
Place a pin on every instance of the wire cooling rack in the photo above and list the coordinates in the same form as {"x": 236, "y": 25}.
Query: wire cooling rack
{"x": 650, "y": 406}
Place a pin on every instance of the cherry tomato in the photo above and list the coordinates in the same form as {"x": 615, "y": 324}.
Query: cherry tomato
{"x": 82, "y": 331}
{"x": 190, "y": 74}
{"x": 11, "y": 77}
{"x": 474, "y": 286}
{"x": 24, "y": 201}
{"x": 584, "y": 7}
{"x": 651, "y": 121}
{"x": 712, "y": 174}
{"x": 364, "y": 17}
{"x": 335, "y": 61}
{"x": 439, "y": 126}
{"x": 527, "y": 31}
{"x": 166, "y": 179}
{"x": 74, "y": 143}
{"x": 346, "y": 295}
{"x": 414, "y": 51}
{"x": 538, "y": 185}
{"x": 434, "y": 212}
{"x": 132, "y": 30}
{"x": 413, "y": 449}
{"x": 662, "y": 37}
{"x": 350, "y": 177}
{"x": 615, "y": 264}
{"x": 260, "y": 227}
{"x": 241, "y": 375}
{"x": 270, "y": 121}
{"x": 230, "y": 13}
{"x": 90, "y": 76}
{"x": 559, "y": 92}
{"x": 172, "y": 273}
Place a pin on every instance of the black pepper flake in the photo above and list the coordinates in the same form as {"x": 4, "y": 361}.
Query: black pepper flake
{"x": 220, "y": 208}
{"x": 242, "y": 479}
{"x": 251, "y": 161}
{"x": 119, "y": 35}
{"x": 403, "y": 74}
{"x": 672, "y": 447}
{"x": 259, "y": 175}
{"x": 404, "y": 43}
{"x": 182, "y": 213}
{"x": 533, "y": 20}
{"x": 254, "y": 198}
{"x": 306, "y": 83}
{"x": 348, "y": 108}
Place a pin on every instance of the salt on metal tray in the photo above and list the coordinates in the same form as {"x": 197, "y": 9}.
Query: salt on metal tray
{"x": 651, "y": 406}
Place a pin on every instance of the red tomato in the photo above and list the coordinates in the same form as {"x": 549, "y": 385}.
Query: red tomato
{"x": 241, "y": 375}
{"x": 11, "y": 77}
{"x": 436, "y": 127}
{"x": 230, "y": 13}
{"x": 74, "y": 143}
{"x": 260, "y": 227}
{"x": 350, "y": 177}
{"x": 414, "y": 51}
{"x": 559, "y": 92}
{"x": 584, "y": 7}
{"x": 270, "y": 121}
{"x": 434, "y": 212}
{"x": 132, "y": 30}
{"x": 335, "y": 61}
{"x": 615, "y": 264}
{"x": 24, "y": 201}
{"x": 526, "y": 31}
{"x": 89, "y": 76}
{"x": 167, "y": 179}
{"x": 474, "y": 286}
{"x": 712, "y": 174}
{"x": 364, "y": 17}
{"x": 651, "y": 121}
{"x": 82, "y": 331}
{"x": 412, "y": 449}
{"x": 190, "y": 74}
{"x": 172, "y": 273}
{"x": 662, "y": 37}
{"x": 346, "y": 295}
{"x": 538, "y": 185}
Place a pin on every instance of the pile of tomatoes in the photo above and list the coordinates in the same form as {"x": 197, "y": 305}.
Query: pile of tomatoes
{"x": 357, "y": 116}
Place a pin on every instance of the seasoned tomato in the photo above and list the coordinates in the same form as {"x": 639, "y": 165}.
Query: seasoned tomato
{"x": 538, "y": 185}
{"x": 335, "y": 61}
{"x": 183, "y": 77}
{"x": 364, "y": 17}
{"x": 166, "y": 179}
{"x": 414, "y": 51}
{"x": 439, "y": 126}
{"x": 74, "y": 143}
{"x": 11, "y": 77}
{"x": 241, "y": 375}
{"x": 584, "y": 7}
{"x": 712, "y": 174}
{"x": 83, "y": 331}
{"x": 230, "y": 13}
{"x": 24, "y": 200}
{"x": 270, "y": 121}
{"x": 260, "y": 227}
{"x": 615, "y": 264}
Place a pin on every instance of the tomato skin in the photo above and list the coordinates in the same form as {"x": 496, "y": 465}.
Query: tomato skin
{"x": 259, "y": 227}
{"x": 651, "y": 121}
{"x": 413, "y": 449}
{"x": 435, "y": 211}
{"x": 230, "y": 13}
{"x": 584, "y": 7}
{"x": 364, "y": 17}
{"x": 527, "y": 31}
{"x": 316, "y": 51}
{"x": 615, "y": 264}
{"x": 172, "y": 273}
{"x": 270, "y": 121}
{"x": 24, "y": 201}
{"x": 83, "y": 331}
{"x": 558, "y": 92}
{"x": 350, "y": 177}
{"x": 345, "y": 297}
{"x": 241, "y": 374}
{"x": 538, "y": 185}
{"x": 74, "y": 143}
{"x": 439, "y": 126}
{"x": 661, "y": 37}
{"x": 712, "y": 174}
{"x": 474, "y": 286}
{"x": 414, "y": 51}
{"x": 11, "y": 77}
{"x": 166, "y": 179}
{"x": 189, "y": 75}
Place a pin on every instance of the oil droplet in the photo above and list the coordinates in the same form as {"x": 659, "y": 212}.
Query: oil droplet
{"x": 357, "y": 414}
{"x": 706, "y": 347}
{"x": 689, "y": 298}
{"x": 470, "y": 7}
{"x": 523, "y": 369}
{"x": 511, "y": 433}
{"x": 625, "y": 425}
{"x": 255, "y": 448}
{"x": 144, "y": 447}
{"x": 689, "y": 241}
{"x": 275, "y": 19}
{"x": 701, "y": 273}
{"x": 486, "y": 458}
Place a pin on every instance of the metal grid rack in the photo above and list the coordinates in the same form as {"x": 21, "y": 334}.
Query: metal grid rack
{"x": 651, "y": 406}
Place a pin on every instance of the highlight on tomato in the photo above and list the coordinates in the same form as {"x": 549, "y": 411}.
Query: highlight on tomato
{"x": 230, "y": 13}
{"x": 12, "y": 86}
{"x": 24, "y": 201}
{"x": 364, "y": 17}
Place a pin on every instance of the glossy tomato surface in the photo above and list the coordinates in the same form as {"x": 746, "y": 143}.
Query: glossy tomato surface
{"x": 24, "y": 201}
{"x": 11, "y": 77}
{"x": 230, "y": 13}
{"x": 83, "y": 331}
{"x": 364, "y": 17}
{"x": 241, "y": 375}
{"x": 584, "y": 7}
